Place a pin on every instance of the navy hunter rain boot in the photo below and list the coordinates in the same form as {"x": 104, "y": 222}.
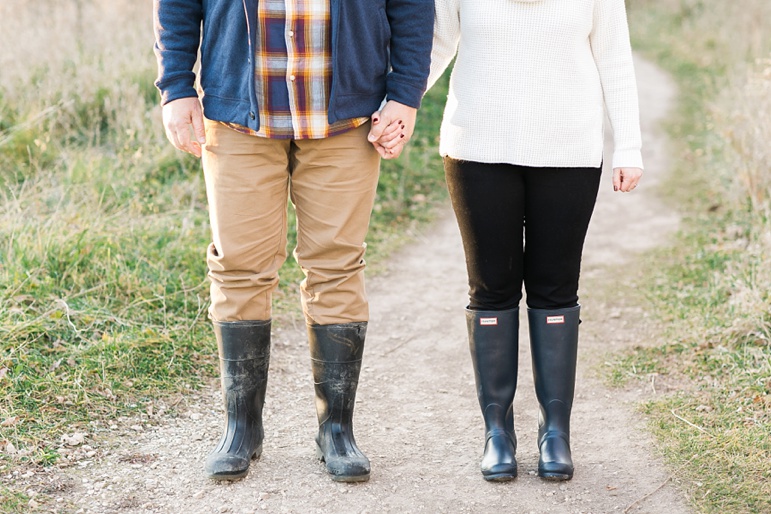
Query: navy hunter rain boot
{"x": 554, "y": 346}
{"x": 493, "y": 341}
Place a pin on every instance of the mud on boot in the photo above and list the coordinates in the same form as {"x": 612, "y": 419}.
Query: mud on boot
{"x": 336, "y": 352}
{"x": 244, "y": 351}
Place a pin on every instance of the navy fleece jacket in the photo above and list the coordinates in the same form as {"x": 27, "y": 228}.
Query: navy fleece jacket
{"x": 380, "y": 49}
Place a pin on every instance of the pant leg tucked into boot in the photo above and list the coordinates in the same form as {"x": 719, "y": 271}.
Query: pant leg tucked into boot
{"x": 244, "y": 351}
{"x": 493, "y": 341}
{"x": 554, "y": 345}
{"x": 336, "y": 353}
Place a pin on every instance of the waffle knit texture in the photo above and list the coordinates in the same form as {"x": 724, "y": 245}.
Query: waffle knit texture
{"x": 532, "y": 80}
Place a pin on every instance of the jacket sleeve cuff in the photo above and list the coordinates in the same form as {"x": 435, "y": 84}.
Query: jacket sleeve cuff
{"x": 404, "y": 92}
{"x": 627, "y": 159}
{"x": 172, "y": 90}
{"x": 168, "y": 96}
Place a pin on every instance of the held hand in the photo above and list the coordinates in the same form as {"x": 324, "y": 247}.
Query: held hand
{"x": 178, "y": 117}
{"x": 390, "y": 136}
{"x": 392, "y": 128}
{"x": 626, "y": 179}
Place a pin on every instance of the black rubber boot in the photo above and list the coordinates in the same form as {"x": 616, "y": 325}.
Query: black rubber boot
{"x": 494, "y": 345}
{"x": 554, "y": 346}
{"x": 336, "y": 352}
{"x": 244, "y": 351}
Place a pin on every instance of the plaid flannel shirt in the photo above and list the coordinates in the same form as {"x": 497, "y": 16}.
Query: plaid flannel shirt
{"x": 293, "y": 71}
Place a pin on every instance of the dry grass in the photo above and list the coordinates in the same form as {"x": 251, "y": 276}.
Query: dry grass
{"x": 713, "y": 290}
{"x": 64, "y": 49}
{"x": 744, "y": 112}
{"x": 76, "y": 69}
{"x": 740, "y": 118}
{"x": 712, "y": 33}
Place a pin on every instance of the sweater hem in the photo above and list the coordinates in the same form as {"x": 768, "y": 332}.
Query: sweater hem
{"x": 524, "y": 161}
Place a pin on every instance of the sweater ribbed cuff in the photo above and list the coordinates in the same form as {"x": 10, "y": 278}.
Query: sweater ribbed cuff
{"x": 627, "y": 159}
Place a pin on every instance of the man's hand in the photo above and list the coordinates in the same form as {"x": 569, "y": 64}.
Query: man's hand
{"x": 626, "y": 179}
{"x": 178, "y": 118}
{"x": 392, "y": 128}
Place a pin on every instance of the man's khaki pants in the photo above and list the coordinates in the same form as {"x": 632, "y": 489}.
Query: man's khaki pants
{"x": 331, "y": 183}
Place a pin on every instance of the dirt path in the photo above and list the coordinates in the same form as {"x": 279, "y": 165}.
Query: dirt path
{"x": 417, "y": 416}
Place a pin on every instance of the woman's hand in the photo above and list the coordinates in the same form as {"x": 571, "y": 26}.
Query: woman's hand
{"x": 626, "y": 179}
{"x": 392, "y": 128}
{"x": 388, "y": 141}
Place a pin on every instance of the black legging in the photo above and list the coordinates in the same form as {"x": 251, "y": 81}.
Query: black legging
{"x": 494, "y": 203}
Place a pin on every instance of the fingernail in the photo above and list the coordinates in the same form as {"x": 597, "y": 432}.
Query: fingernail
{"x": 615, "y": 188}
{"x": 401, "y": 135}
{"x": 375, "y": 120}
{"x": 402, "y": 127}
{"x": 400, "y": 122}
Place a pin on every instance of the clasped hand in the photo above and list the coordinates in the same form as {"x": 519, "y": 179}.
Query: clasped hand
{"x": 392, "y": 128}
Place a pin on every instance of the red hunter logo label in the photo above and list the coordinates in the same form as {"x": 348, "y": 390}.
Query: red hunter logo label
{"x": 488, "y": 321}
{"x": 555, "y": 320}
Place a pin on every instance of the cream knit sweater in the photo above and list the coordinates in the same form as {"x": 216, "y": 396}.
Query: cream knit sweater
{"x": 532, "y": 79}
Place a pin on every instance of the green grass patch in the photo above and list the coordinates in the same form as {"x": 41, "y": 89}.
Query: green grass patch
{"x": 12, "y": 501}
{"x": 721, "y": 450}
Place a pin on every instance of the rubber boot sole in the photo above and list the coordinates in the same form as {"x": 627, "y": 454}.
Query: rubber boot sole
{"x": 235, "y": 476}
{"x": 500, "y": 477}
{"x": 341, "y": 478}
{"x": 555, "y": 477}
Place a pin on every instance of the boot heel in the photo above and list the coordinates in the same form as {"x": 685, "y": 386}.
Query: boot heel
{"x": 257, "y": 452}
